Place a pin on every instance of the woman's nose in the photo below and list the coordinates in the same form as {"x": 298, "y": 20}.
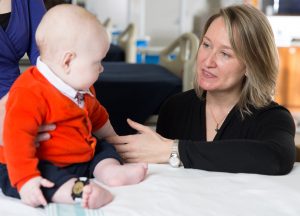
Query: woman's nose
{"x": 210, "y": 60}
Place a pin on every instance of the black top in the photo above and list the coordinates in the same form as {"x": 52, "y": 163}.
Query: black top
{"x": 134, "y": 91}
{"x": 262, "y": 143}
{"x": 4, "y": 19}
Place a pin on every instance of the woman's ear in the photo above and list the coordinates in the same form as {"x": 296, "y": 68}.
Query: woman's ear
{"x": 66, "y": 61}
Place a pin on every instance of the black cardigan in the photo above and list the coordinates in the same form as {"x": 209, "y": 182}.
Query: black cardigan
{"x": 261, "y": 143}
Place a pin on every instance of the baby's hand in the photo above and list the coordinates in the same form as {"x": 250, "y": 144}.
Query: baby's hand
{"x": 31, "y": 193}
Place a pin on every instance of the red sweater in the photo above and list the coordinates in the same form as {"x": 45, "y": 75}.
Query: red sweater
{"x": 32, "y": 102}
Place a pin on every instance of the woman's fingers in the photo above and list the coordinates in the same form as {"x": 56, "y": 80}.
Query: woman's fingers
{"x": 2, "y": 114}
{"x": 42, "y": 137}
{"x": 43, "y": 134}
{"x": 129, "y": 156}
{"x": 127, "y": 151}
{"x": 120, "y": 139}
{"x": 137, "y": 126}
{"x": 47, "y": 127}
{"x": 122, "y": 148}
{"x": 115, "y": 139}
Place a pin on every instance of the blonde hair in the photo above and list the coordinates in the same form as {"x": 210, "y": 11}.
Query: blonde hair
{"x": 252, "y": 40}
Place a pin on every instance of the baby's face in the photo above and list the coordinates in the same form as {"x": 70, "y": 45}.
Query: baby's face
{"x": 86, "y": 66}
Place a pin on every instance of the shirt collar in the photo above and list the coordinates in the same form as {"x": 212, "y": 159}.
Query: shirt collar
{"x": 59, "y": 84}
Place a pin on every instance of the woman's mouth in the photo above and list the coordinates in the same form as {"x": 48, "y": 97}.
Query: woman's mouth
{"x": 208, "y": 74}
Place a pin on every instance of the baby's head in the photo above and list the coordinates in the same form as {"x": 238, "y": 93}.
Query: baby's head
{"x": 72, "y": 42}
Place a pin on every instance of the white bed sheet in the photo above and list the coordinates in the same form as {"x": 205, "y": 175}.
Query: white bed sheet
{"x": 170, "y": 192}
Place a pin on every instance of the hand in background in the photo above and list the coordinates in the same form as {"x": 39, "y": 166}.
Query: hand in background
{"x": 43, "y": 134}
{"x": 146, "y": 146}
{"x": 31, "y": 193}
{"x": 2, "y": 115}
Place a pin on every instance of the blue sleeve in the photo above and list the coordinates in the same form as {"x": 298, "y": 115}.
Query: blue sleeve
{"x": 36, "y": 11}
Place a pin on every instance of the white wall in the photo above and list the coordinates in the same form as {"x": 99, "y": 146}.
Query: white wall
{"x": 161, "y": 17}
{"x": 285, "y": 28}
{"x": 115, "y": 9}
{"x": 162, "y": 20}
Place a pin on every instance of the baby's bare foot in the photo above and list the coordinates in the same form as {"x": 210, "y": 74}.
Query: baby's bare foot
{"x": 126, "y": 174}
{"x": 94, "y": 196}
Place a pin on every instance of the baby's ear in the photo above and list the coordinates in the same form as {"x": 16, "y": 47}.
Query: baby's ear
{"x": 66, "y": 60}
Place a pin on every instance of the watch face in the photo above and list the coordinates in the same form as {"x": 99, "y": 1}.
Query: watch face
{"x": 174, "y": 160}
{"x": 78, "y": 187}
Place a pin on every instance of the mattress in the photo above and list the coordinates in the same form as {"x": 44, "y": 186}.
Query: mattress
{"x": 170, "y": 191}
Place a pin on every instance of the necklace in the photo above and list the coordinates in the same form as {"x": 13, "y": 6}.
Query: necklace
{"x": 218, "y": 123}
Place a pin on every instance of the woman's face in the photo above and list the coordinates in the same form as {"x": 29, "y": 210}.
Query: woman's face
{"x": 218, "y": 68}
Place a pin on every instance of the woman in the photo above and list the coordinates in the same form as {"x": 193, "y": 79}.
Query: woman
{"x": 18, "y": 23}
{"x": 228, "y": 122}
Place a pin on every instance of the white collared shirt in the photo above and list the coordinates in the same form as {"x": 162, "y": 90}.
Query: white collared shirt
{"x": 59, "y": 84}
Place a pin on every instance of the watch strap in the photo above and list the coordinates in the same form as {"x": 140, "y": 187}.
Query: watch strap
{"x": 175, "y": 147}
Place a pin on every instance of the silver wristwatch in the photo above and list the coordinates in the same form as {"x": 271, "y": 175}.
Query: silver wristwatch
{"x": 174, "y": 159}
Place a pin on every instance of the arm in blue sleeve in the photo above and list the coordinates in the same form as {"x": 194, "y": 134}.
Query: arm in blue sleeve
{"x": 36, "y": 11}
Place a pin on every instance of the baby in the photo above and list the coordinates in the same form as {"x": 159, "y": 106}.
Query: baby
{"x": 59, "y": 91}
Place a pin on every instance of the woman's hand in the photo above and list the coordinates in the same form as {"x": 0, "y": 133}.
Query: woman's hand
{"x": 2, "y": 115}
{"x": 146, "y": 146}
{"x": 43, "y": 134}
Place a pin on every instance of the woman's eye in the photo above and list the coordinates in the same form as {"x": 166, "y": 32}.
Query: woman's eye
{"x": 205, "y": 45}
{"x": 225, "y": 55}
